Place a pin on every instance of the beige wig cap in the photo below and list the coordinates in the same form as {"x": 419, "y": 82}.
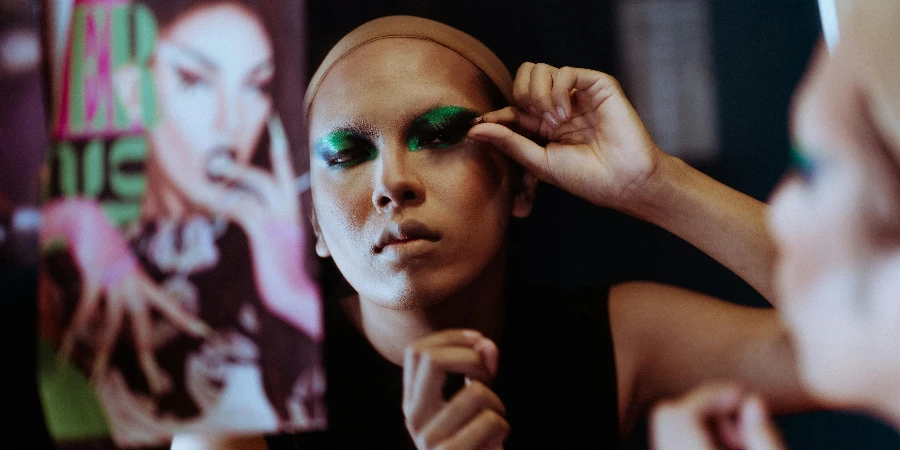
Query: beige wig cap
{"x": 410, "y": 27}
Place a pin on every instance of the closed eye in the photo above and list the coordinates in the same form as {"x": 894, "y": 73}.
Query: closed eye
{"x": 344, "y": 149}
{"x": 440, "y": 127}
{"x": 189, "y": 78}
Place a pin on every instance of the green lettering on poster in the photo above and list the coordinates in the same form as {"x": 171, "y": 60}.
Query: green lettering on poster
{"x": 92, "y": 169}
{"x": 68, "y": 169}
{"x": 76, "y": 59}
{"x": 144, "y": 35}
{"x": 121, "y": 46}
{"x": 124, "y": 185}
{"x": 99, "y": 92}
{"x": 122, "y": 213}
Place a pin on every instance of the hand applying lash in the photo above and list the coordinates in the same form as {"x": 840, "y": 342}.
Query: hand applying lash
{"x": 598, "y": 149}
{"x": 597, "y": 146}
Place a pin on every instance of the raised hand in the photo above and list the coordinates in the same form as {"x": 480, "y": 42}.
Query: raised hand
{"x": 266, "y": 206}
{"x": 717, "y": 416}
{"x": 251, "y": 196}
{"x": 109, "y": 271}
{"x": 596, "y": 145}
{"x": 474, "y": 418}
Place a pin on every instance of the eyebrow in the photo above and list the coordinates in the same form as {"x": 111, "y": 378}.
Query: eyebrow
{"x": 208, "y": 63}
{"x": 358, "y": 126}
{"x": 204, "y": 60}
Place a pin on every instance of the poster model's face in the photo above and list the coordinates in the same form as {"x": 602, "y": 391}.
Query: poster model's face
{"x": 212, "y": 71}
{"x": 410, "y": 209}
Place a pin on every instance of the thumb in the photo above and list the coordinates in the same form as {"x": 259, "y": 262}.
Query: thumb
{"x": 530, "y": 155}
{"x": 756, "y": 428}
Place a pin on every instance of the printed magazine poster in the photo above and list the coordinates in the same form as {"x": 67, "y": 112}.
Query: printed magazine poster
{"x": 177, "y": 288}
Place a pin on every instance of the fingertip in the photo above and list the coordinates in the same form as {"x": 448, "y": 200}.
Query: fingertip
{"x": 490, "y": 355}
{"x": 472, "y": 334}
{"x": 753, "y": 412}
{"x": 201, "y": 329}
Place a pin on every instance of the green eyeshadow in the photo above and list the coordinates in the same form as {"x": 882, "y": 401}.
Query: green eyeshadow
{"x": 801, "y": 161}
{"x": 345, "y": 148}
{"x": 440, "y": 127}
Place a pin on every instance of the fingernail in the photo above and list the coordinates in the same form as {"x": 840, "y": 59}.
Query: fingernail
{"x": 551, "y": 120}
{"x": 477, "y": 121}
{"x": 471, "y": 334}
{"x": 561, "y": 113}
{"x": 533, "y": 110}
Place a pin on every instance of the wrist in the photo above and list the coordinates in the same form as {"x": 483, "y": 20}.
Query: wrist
{"x": 651, "y": 197}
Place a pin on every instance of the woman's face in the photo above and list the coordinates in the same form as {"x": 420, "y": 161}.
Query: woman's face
{"x": 212, "y": 69}
{"x": 410, "y": 210}
{"x": 837, "y": 223}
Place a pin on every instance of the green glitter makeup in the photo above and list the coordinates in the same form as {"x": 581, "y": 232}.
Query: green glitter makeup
{"x": 345, "y": 148}
{"x": 802, "y": 164}
{"x": 440, "y": 128}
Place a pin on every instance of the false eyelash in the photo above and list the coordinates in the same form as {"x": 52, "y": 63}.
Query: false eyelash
{"x": 451, "y": 129}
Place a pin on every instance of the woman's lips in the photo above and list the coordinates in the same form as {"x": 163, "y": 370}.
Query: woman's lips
{"x": 406, "y": 234}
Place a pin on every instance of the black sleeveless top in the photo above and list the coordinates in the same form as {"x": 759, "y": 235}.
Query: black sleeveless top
{"x": 556, "y": 377}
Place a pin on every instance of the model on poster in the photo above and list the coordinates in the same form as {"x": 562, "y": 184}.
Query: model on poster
{"x": 174, "y": 253}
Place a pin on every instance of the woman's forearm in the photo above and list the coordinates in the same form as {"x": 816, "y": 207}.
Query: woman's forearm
{"x": 725, "y": 224}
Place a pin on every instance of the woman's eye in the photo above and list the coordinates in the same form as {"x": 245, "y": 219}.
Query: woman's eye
{"x": 190, "y": 79}
{"x": 441, "y": 138}
{"x": 349, "y": 157}
{"x": 803, "y": 165}
{"x": 263, "y": 88}
{"x": 440, "y": 127}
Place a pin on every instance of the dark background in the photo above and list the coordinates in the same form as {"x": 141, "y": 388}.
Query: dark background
{"x": 760, "y": 51}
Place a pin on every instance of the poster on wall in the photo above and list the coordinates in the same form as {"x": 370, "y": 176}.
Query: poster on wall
{"x": 176, "y": 289}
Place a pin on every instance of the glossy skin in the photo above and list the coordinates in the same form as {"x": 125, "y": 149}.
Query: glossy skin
{"x": 390, "y": 150}
{"x": 457, "y": 188}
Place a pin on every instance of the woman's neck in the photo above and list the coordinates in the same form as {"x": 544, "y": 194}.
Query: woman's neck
{"x": 479, "y": 306}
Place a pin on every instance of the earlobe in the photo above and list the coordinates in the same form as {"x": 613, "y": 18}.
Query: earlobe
{"x": 523, "y": 200}
{"x": 321, "y": 246}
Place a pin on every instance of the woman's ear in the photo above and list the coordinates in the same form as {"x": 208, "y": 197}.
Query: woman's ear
{"x": 523, "y": 199}
{"x": 127, "y": 85}
{"x": 321, "y": 246}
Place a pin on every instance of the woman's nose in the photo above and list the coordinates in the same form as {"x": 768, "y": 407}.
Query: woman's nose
{"x": 228, "y": 111}
{"x": 397, "y": 182}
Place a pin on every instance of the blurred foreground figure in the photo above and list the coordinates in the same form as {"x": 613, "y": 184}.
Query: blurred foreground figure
{"x": 836, "y": 220}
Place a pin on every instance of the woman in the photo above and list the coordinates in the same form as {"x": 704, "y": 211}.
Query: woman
{"x": 218, "y": 249}
{"x": 837, "y": 224}
{"x": 414, "y": 208}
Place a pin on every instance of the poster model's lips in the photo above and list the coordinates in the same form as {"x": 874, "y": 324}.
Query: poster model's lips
{"x": 218, "y": 158}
